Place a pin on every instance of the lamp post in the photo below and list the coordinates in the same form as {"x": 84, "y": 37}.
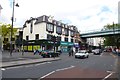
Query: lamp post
{"x": 11, "y": 48}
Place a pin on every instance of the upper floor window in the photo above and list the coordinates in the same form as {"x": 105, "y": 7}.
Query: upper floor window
{"x": 31, "y": 27}
{"x": 72, "y": 33}
{"x": 27, "y": 37}
{"x": 66, "y": 39}
{"x": 50, "y": 27}
{"x": 5, "y": 39}
{"x": 71, "y": 40}
{"x": 37, "y": 36}
{"x": 59, "y": 30}
{"x": 58, "y": 38}
{"x": 66, "y": 32}
{"x": 49, "y": 37}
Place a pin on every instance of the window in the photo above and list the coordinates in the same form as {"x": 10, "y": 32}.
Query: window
{"x": 58, "y": 38}
{"x": 37, "y": 36}
{"x": 66, "y": 39}
{"x": 71, "y": 40}
{"x": 50, "y": 28}
{"x": 66, "y": 32}
{"x": 5, "y": 39}
{"x": 13, "y": 39}
{"x": 31, "y": 27}
{"x": 27, "y": 37}
{"x": 59, "y": 30}
{"x": 49, "y": 37}
{"x": 72, "y": 33}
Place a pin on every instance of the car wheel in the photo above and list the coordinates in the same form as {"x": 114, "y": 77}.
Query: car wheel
{"x": 75, "y": 57}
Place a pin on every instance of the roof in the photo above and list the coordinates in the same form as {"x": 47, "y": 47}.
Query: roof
{"x": 40, "y": 19}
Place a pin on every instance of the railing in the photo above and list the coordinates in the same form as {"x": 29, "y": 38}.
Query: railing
{"x": 100, "y": 30}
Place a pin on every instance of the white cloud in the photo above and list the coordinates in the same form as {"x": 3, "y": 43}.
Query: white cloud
{"x": 81, "y": 13}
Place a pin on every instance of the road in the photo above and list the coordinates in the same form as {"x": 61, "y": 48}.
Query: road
{"x": 96, "y": 66}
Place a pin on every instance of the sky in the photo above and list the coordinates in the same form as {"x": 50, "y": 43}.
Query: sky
{"x": 86, "y": 15}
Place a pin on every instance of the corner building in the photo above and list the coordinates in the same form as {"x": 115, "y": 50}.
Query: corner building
{"x": 38, "y": 34}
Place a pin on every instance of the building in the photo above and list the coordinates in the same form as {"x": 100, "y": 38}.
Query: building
{"x": 97, "y": 42}
{"x": 44, "y": 33}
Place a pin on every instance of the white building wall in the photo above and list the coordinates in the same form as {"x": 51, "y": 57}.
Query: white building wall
{"x": 41, "y": 30}
{"x": 37, "y": 29}
{"x": 26, "y": 31}
{"x": 69, "y": 37}
{"x": 62, "y": 37}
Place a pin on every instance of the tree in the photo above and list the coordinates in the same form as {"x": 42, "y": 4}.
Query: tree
{"x": 111, "y": 40}
{"x": 6, "y": 32}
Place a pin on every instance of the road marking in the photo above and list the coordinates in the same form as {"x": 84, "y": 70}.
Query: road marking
{"x": 111, "y": 72}
{"x": 65, "y": 68}
{"x": 48, "y": 62}
{"x": 47, "y": 74}
{"x": 14, "y": 67}
{"x": 31, "y": 65}
{"x": 3, "y": 69}
{"x": 56, "y": 71}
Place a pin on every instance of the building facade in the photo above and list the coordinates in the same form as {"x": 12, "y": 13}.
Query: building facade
{"x": 44, "y": 33}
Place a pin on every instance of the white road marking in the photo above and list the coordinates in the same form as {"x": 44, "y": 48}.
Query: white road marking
{"x": 47, "y": 74}
{"x": 65, "y": 68}
{"x": 49, "y": 62}
{"x": 108, "y": 75}
{"x": 3, "y": 69}
{"x": 14, "y": 67}
{"x": 26, "y": 65}
{"x": 56, "y": 71}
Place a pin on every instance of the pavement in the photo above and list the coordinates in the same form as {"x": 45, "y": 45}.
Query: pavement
{"x": 18, "y": 59}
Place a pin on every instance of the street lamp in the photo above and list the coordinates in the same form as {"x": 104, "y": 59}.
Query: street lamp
{"x": 12, "y": 26}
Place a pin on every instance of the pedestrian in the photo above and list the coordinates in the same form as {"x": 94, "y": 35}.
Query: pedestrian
{"x": 35, "y": 51}
{"x": 69, "y": 52}
{"x": 73, "y": 51}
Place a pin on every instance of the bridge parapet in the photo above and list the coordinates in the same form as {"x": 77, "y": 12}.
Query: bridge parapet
{"x": 97, "y": 31}
{"x": 101, "y": 33}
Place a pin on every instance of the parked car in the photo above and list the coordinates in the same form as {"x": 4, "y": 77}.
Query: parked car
{"x": 96, "y": 51}
{"x": 82, "y": 54}
{"x": 59, "y": 51}
{"x": 48, "y": 53}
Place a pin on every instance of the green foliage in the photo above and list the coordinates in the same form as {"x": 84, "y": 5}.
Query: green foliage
{"x": 5, "y": 31}
{"x": 111, "y": 40}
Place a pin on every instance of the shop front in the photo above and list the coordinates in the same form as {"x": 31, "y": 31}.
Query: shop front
{"x": 31, "y": 45}
{"x": 65, "y": 46}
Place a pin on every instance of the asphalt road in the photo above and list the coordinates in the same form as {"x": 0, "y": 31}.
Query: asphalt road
{"x": 96, "y": 66}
